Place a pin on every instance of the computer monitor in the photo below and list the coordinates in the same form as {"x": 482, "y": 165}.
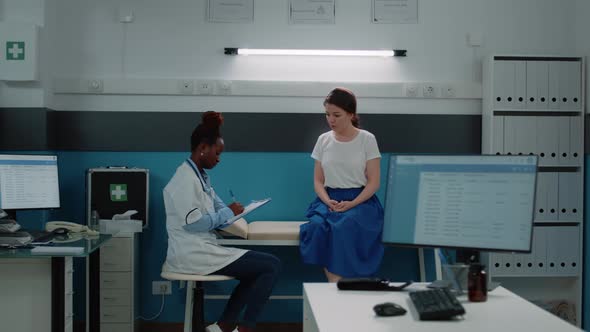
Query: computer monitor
{"x": 28, "y": 182}
{"x": 481, "y": 202}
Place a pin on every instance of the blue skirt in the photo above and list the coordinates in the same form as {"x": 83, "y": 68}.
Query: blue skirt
{"x": 346, "y": 243}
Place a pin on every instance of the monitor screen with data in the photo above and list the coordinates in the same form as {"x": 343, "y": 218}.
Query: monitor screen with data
{"x": 28, "y": 182}
{"x": 479, "y": 202}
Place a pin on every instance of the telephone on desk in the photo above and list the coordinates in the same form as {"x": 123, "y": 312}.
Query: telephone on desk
{"x": 63, "y": 227}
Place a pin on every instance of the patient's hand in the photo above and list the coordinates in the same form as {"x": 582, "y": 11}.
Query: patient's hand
{"x": 332, "y": 204}
{"x": 343, "y": 206}
{"x": 236, "y": 208}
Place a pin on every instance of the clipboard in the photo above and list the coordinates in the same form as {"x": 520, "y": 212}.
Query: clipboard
{"x": 247, "y": 209}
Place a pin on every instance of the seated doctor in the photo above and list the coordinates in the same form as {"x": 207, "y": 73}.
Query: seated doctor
{"x": 193, "y": 212}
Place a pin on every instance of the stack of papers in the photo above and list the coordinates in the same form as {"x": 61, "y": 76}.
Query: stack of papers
{"x": 16, "y": 239}
{"x": 9, "y": 225}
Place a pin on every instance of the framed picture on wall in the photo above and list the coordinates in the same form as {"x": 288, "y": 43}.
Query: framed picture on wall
{"x": 230, "y": 11}
{"x": 394, "y": 11}
{"x": 312, "y": 11}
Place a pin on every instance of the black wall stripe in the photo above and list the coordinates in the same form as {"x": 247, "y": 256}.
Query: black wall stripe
{"x": 43, "y": 129}
{"x": 26, "y": 129}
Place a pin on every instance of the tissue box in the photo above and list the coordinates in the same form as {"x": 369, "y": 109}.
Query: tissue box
{"x": 108, "y": 226}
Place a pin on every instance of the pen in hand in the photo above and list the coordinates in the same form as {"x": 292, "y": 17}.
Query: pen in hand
{"x": 236, "y": 207}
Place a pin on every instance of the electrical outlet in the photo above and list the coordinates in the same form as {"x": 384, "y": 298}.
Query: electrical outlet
{"x": 95, "y": 86}
{"x": 161, "y": 287}
{"x": 429, "y": 91}
{"x": 411, "y": 90}
{"x": 224, "y": 87}
{"x": 205, "y": 87}
{"x": 186, "y": 87}
{"x": 448, "y": 91}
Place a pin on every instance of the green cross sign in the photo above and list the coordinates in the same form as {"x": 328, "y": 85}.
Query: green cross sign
{"x": 118, "y": 192}
{"x": 15, "y": 50}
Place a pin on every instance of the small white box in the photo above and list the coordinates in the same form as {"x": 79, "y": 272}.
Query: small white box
{"x": 108, "y": 226}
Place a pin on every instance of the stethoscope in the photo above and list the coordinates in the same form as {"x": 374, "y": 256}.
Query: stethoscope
{"x": 206, "y": 187}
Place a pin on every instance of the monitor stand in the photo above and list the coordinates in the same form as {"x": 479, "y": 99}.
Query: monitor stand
{"x": 456, "y": 276}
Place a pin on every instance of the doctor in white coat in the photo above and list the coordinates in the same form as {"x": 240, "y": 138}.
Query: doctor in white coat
{"x": 193, "y": 212}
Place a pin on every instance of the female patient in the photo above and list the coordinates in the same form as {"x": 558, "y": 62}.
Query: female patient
{"x": 346, "y": 218}
{"x": 193, "y": 212}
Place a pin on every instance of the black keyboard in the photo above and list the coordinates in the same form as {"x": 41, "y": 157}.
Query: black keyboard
{"x": 436, "y": 304}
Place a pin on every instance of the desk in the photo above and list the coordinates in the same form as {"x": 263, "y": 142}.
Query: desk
{"x": 36, "y": 289}
{"x": 327, "y": 309}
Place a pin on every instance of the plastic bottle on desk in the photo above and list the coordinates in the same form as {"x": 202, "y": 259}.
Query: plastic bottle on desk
{"x": 94, "y": 220}
{"x": 477, "y": 286}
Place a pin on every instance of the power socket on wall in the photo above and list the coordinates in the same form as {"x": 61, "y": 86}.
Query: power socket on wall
{"x": 429, "y": 91}
{"x": 411, "y": 90}
{"x": 186, "y": 87}
{"x": 205, "y": 87}
{"x": 161, "y": 287}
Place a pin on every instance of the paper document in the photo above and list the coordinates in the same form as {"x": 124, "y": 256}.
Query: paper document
{"x": 247, "y": 209}
{"x": 57, "y": 250}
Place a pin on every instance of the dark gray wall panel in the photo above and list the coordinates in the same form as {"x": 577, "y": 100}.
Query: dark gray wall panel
{"x": 25, "y": 129}
{"x": 124, "y": 131}
{"x": 40, "y": 129}
{"x": 411, "y": 133}
{"x": 264, "y": 132}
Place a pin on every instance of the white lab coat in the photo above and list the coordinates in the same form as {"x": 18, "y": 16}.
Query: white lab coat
{"x": 192, "y": 252}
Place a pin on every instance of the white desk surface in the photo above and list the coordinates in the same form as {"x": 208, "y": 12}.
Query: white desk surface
{"x": 340, "y": 311}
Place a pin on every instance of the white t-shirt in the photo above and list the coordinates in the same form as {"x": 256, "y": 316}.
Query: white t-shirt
{"x": 344, "y": 163}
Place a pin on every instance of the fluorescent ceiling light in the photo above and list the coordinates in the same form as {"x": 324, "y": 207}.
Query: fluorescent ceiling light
{"x": 268, "y": 51}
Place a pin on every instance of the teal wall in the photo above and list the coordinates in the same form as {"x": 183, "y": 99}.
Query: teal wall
{"x": 286, "y": 177}
{"x": 586, "y": 257}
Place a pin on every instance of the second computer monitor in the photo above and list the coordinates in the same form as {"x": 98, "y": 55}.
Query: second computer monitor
{"x": 479, "y": 202}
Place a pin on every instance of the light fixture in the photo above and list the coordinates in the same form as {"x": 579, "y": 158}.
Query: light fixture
{"x": 269, "y": 51}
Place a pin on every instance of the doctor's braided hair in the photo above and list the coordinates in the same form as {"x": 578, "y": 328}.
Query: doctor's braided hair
{"x": 208, "y": 130}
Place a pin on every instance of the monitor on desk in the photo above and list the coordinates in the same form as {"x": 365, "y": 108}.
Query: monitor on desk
{"x": 480, "y": 202}
{"x": 28, "y": 182}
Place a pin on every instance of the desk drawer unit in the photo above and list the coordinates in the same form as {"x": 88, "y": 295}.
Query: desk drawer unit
{"x": 115, "y": 297}
{"x": 115, "y": 314}
{"x": 118, "y": 273}
{"x": 115, "y": 280}
{"x": 116, "y": 256}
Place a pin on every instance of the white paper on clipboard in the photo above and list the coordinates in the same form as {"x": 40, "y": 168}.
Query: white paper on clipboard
{"x": 247, "y": 209}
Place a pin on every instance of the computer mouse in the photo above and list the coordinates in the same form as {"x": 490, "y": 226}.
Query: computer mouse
{"x": 61, "y": 231}
{"x": 389, "y": 309}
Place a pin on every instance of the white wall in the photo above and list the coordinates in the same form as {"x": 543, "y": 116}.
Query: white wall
{"x": 172, "y": 39}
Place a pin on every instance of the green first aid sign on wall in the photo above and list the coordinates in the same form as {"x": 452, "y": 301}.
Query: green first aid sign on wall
{"x": 118, "y": 192}
{"x": 15, "y": 50}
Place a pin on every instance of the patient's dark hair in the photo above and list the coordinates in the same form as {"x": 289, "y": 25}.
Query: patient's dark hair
{"x": 208, "y": 130}
{"x": 346, "y": 100}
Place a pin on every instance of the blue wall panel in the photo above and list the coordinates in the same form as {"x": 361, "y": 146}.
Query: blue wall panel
{"x": 286, "y": 177}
